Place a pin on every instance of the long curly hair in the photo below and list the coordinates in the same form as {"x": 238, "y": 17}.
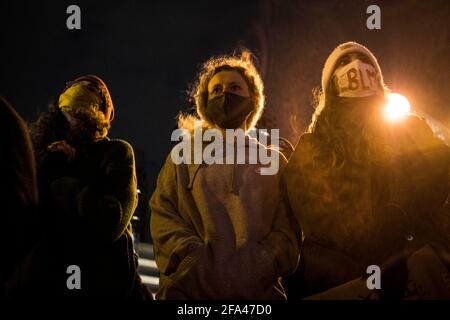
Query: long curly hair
{"x": 49, "y": 127}
{"x": 341, "y": 124}
{"x": 243, "y": 64}
{"x": 52, "y": 126}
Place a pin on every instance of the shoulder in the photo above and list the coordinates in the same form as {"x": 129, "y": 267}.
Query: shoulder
{"x": 308, "y": 139}
{"x": 10, "y": 120}
{"x": 118, "y": 145}
{"x": 272, "y": 150}
{"x": 169, "y": 165}
{"x": 417, "y": 124}
{"x": 309, "y": 145}
{"x": 308, "y": 151}
{"x": 415, "y": 133}
{"x": 117, "y": 150}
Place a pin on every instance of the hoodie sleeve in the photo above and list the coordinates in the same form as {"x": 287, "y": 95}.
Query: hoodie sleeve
{"x": 277, "y": 255}
{"x": 173, "y": 237}
{"x": 284, "y": 240}
{"x": 259, "y": 266}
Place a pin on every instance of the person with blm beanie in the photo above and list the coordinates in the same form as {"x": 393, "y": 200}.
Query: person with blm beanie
{"x": 222, "y": 231}
{"x": 367, "y": 191}
{"x": 88, "y": 194}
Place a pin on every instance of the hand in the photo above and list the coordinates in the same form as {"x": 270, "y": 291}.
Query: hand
{"x": 62, "y": 146}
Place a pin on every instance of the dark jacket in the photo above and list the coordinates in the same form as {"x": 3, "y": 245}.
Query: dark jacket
{"x": 221, "y": 231}
{"x": 86, "y": 208}
{"x": 358, "y": 214}
{"x": 18, "y": 192}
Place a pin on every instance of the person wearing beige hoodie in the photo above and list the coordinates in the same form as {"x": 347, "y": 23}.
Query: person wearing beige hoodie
{"x": 223, "y": 231}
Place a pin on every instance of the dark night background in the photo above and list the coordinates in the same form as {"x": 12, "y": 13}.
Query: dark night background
{"x": 148, "y": 53}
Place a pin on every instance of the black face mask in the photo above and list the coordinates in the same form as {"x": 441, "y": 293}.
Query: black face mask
{"x": 229, "y": 111}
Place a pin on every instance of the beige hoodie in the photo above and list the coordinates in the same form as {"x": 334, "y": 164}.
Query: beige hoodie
{"x": 221, "y": 231}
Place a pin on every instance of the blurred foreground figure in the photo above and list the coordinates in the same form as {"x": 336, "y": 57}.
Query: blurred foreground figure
{"x": 367, "y": 190}
{"x": 18, "y": 192}
{"x": 222, "y": 231}
{"x": 88, "y": 194}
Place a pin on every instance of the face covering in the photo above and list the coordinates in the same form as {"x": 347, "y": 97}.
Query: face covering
{"x": 78, "y": 98}
{"x": 229, "y": 111}
{"x": 80, "y": 104}
{"x": 356, "y": 79}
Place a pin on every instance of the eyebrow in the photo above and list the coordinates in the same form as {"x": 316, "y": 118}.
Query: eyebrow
{"x": 217, "y": 85}
{"x": 220, "y": 85}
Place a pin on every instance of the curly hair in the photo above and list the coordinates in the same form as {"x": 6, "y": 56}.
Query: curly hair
{"x": 50, "y": 126}
{"x": 243, "y": 64}
{"x": 53, "y": 126}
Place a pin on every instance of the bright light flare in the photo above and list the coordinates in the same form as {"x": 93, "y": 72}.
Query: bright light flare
{"x": 397, "y": 107}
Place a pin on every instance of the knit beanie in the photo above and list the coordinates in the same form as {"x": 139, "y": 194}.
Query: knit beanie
{"x": 87, "y": 91}
{"x": 338, "y": 52}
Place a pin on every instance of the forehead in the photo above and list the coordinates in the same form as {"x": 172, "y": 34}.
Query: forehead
{"x": 226, "y": 77}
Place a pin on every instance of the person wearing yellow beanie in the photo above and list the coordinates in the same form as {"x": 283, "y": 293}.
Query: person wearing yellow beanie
{"x": 88, "y": 194}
